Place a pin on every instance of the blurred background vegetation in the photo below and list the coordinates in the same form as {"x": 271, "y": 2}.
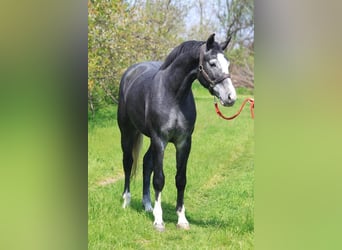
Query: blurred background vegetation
{"x": 124, "y": 32}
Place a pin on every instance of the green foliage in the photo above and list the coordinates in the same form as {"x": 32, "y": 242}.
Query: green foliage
{"x": 120, "y": 35}
{"x": 219, "y": 196}
{"x": 240, "y": 56}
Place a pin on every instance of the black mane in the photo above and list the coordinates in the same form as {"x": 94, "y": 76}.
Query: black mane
{"x": 185, "y": 47}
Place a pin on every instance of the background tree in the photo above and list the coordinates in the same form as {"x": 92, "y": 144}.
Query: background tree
{"x": 236, "y": 20}
{"x": 121, "y": 34}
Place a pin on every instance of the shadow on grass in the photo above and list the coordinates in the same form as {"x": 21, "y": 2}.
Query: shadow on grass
{"x": 238, "y": 225}
{"x": 169, "y": 211}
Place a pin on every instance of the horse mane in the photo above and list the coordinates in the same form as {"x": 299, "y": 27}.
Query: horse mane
{"x": 185, "y": 47}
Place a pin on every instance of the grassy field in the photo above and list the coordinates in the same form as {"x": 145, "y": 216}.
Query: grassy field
{"x": 219, "y": 196}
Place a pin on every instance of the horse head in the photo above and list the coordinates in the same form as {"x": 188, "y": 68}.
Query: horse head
{"x": 213, "y": 71}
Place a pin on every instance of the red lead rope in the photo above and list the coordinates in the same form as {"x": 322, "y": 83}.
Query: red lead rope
{"x": 251, "y": 107}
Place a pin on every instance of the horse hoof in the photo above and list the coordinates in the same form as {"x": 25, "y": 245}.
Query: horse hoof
{"x": 125, "y": 204}
{"x": 146, "y": 201}
{"x": 159, "y": 227}
{"x": 184, "y": 226}
{"x": 127, "y": 199}
{"x": 149, "y": 209}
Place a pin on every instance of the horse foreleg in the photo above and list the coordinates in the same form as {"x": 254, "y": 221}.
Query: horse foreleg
{"x": 182, "y": 155}
{"x": 158, "y": 214}
{"x": 158, "y": 147}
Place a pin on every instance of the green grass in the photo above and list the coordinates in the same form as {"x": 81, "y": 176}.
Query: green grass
{"x": 219, "y": 196}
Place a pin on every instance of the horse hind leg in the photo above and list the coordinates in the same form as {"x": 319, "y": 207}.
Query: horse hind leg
{"x": 127, "y": 166}
{"x": 131, "y": 146}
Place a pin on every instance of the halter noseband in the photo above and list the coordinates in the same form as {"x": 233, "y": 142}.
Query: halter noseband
{"x": 205, "y": 75}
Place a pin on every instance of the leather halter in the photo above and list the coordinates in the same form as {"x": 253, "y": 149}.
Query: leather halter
{"x": 205, "y": 75}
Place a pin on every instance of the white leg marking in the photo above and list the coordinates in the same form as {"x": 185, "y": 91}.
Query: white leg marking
{"x": 158, "y": 215}
{"x": 182, "y": 221}
{"x": 127, "y": 199}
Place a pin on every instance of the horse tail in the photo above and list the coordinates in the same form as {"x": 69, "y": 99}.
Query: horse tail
{"x": 138, "y": 142}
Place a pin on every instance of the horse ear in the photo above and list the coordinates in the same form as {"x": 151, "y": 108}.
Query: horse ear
{"x": 210, "y": 41}
{"x": 224, "y": 45}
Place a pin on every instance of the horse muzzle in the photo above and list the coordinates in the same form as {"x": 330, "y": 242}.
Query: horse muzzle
{"x": 229, "y": 101}
{"x": 225, "y": 92}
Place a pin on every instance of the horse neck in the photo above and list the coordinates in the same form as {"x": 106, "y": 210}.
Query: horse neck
{"x": 181, "y": 74}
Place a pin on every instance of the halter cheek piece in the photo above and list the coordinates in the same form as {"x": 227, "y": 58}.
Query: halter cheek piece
{"x": 201, "y": 70}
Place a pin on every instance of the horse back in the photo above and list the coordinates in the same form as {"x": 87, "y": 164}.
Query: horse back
{"x": 138, "y": 75}
{"x": 135, "y": 86}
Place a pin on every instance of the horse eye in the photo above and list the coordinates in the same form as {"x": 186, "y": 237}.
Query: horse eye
{"x": 212, "y": 64}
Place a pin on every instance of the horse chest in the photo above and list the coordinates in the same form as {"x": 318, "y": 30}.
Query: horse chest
{"x": 176, "y": 124}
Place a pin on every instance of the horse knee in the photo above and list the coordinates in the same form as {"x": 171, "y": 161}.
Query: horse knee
{"x": 158, "y": 181}
{"x": 180, "y": 182}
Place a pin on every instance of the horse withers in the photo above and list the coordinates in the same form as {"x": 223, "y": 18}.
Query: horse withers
{"x": 155, "y": 100}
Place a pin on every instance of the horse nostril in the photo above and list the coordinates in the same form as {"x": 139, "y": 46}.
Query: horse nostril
{"x": 231, "y": 98}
